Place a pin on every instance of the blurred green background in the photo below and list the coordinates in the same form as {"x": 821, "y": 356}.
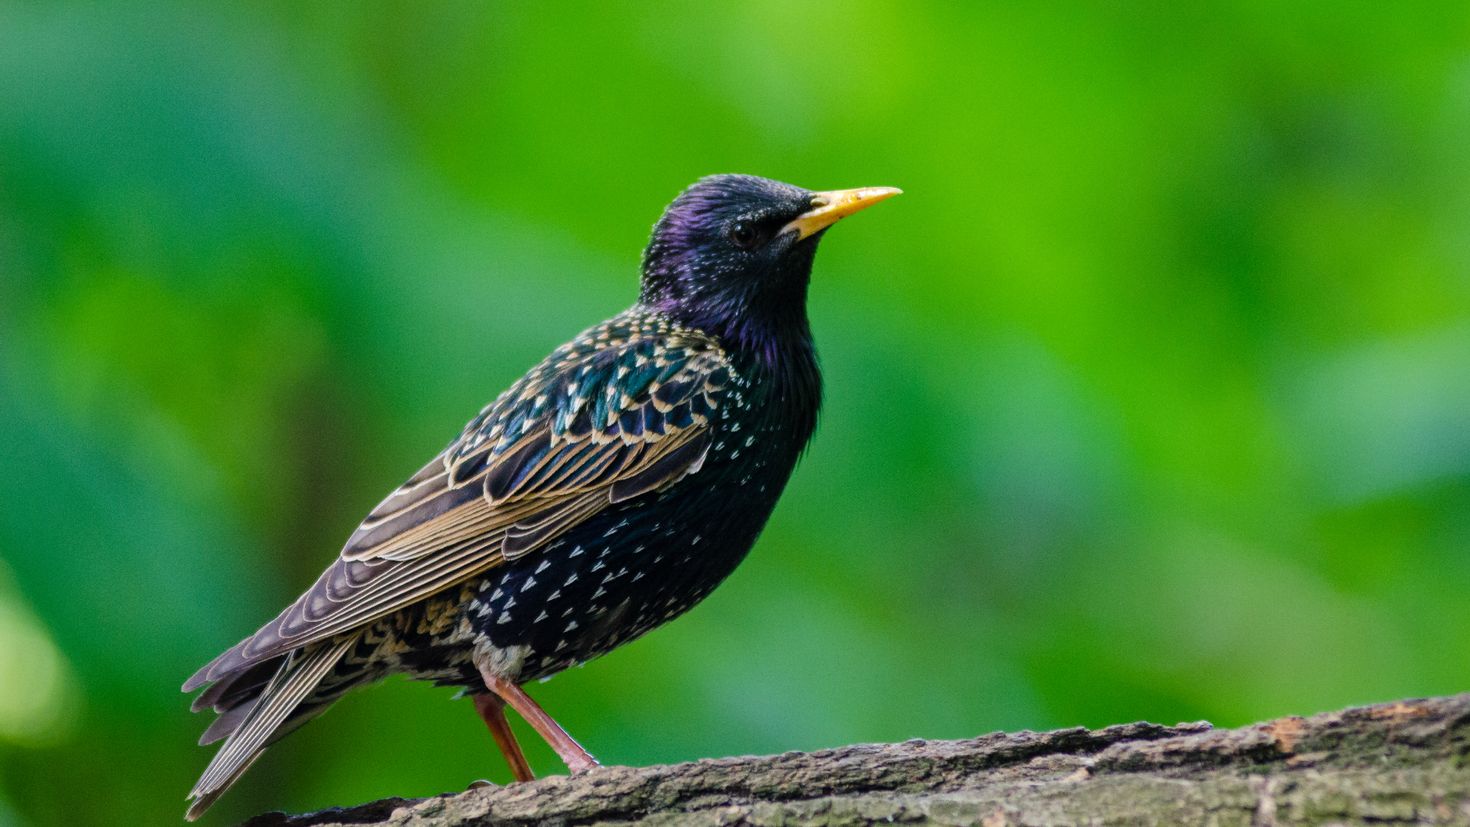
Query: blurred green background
{"x": 1149, "y": 399}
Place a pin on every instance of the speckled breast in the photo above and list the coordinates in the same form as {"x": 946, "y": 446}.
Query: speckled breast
{"x": 636, "y": 565}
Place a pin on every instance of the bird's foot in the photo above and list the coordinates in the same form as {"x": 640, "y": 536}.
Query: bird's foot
{"x": 480, "y": 784}
{"x": 580, "y": 762}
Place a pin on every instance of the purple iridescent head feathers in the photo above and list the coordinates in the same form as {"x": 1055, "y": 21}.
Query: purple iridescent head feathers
{"x": 732, "y": 256}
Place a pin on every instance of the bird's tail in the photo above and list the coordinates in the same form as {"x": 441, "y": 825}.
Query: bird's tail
{"x": 252, "y": 720}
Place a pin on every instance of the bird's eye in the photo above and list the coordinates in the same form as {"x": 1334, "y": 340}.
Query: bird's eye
{"x": 742, "y": 233}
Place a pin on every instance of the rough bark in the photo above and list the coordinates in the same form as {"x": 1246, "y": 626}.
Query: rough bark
{"x": 1400, "y": 763}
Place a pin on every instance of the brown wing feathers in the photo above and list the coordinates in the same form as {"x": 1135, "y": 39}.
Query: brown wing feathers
{"x": 618, "y": 418}
{"x": 528, "y": 468}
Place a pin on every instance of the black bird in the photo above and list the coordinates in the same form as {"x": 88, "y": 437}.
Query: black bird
{"x": 607, "y": 491}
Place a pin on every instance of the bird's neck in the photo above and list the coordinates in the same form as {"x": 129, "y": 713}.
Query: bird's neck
{"x": 772, "y": 345}
{"x": 795, "y": 389}
{"x": 782, "y": 358}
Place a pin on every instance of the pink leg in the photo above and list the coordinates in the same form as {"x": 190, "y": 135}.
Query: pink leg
{"x": 578, "y": 760}
{"x": 492, "y": 710}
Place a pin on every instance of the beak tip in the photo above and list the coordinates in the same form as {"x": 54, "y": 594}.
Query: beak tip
{"x": 827, "y": 207}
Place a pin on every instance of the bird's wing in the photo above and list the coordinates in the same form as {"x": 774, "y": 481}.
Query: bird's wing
{"x": 605, "y": 419}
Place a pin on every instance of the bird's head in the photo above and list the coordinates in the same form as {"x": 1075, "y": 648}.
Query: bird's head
{"x": 733, "y": 254}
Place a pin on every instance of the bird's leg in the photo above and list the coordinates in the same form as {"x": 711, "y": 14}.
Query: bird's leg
{"x": 578, "y": 760}
{"x": 492, "y": 710}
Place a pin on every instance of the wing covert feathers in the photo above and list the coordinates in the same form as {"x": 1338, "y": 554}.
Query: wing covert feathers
{"x": 600, "y": 421}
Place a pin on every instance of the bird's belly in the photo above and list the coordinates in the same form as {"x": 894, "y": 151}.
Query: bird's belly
{"x": 613, "y": 578}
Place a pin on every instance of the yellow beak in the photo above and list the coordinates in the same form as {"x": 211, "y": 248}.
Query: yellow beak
{"x": 828, "y": 207}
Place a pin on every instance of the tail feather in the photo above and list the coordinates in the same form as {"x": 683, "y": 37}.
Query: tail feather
{"x": 250, "y": 732}
{"x": 232, "y": 690}
{"x": 228, "y": 721}
{"x": 203, "y": 801}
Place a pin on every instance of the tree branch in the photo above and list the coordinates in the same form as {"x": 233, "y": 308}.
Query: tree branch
{"x": 1406, "y": 762}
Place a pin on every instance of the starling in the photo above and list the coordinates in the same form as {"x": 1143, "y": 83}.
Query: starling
{"x": 607, "y": 491}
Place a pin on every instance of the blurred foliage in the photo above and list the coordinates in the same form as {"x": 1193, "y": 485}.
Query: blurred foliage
{"x": 1150, "y": 399}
